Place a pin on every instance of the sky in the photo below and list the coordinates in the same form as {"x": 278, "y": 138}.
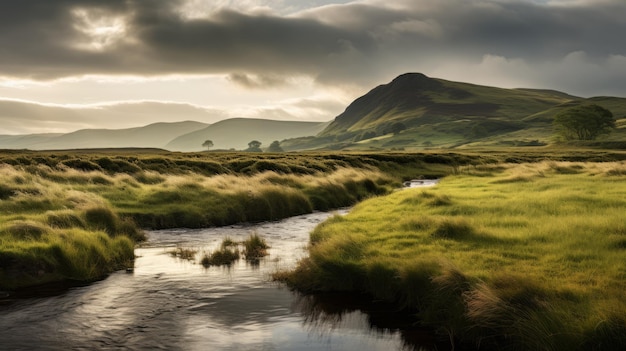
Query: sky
{"x": 73, "y": 64}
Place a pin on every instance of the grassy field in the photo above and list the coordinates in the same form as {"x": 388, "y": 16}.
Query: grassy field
{"x": 500, "y": 256}
{"x": 76, "y": 215}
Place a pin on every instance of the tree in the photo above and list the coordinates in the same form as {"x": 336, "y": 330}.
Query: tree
{"x": 254, "y": 146}
{"x": 208, "y": 144}
{"x": 275, "y": 147}
{"x": 585, "y": 122}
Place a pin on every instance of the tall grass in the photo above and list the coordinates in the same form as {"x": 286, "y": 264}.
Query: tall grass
{"x": 51, "y": 231}
{"x": 255, "y": 247}
{"x": 529, "y": 257}
{"x": 195, "y": 201}
{"x": 225, "y": 255}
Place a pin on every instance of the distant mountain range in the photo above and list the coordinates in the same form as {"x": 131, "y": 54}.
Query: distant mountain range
{"x": 411, "y": 112}
{"x": 236, "y": 133}
{"x": 228, "y": 134}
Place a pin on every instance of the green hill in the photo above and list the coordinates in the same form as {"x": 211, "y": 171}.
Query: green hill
{"x": 415, "y": 111}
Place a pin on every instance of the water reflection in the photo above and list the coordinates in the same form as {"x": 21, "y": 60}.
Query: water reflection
{"x": 327, "y": 312}
{"x": 172, "y": 304}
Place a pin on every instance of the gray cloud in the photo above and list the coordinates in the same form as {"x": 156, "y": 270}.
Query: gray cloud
{"x": 257, "y": 81}
{"x": 360, "y": 43}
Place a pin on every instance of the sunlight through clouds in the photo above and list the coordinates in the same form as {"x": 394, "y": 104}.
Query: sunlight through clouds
{"x": 253, "y": 56}
{"x": 100, "y": 30}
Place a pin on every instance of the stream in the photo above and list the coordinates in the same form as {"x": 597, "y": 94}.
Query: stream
{"x": 168, "y": 303}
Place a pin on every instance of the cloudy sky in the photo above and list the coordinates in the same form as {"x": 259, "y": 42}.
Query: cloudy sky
{"x": 73, "y": 64}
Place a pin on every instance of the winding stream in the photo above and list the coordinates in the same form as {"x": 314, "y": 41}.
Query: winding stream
{"x": 171, "y": 304}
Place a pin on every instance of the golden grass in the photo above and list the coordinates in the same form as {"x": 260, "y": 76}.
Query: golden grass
{"x": 532, "y": 256}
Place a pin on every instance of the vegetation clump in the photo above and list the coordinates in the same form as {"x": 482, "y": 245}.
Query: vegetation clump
{"x": 584, "y": 122}
{"x": 184, "y": 253}
{"x": 255, "y": 247}
{"x": 225, "y": 255}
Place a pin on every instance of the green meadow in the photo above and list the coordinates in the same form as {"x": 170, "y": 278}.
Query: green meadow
{"x": 76, "y": 215}
{"x": 519, "y": 248}
{"x": 528, "y": 256}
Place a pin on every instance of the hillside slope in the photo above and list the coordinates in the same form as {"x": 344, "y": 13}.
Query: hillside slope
{"x": 415, "y": 99}
{"x": 415, "y": 111}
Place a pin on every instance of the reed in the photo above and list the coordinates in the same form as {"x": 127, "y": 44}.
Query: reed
{"x": 255, "y": 247}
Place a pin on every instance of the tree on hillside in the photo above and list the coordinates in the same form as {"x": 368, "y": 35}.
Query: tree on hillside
{"x": 585, "y": 122}
{"x": 275, "y": 147}
{"x": 208, "y": 144}
{"x": 254, "y": 146}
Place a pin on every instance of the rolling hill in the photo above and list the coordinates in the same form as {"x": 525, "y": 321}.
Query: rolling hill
{"x": 414, "y": 111}
{"x": 153, "y": 135}
{"x": 411, "y": 112}
{"x": 236, "y": 133}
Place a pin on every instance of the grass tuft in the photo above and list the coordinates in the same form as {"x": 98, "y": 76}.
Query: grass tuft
{"x": 453, "y": 228}
{"x": 255, "y": 247}
{"x": 224, "y": 256}
{"x": 184, "y": 253}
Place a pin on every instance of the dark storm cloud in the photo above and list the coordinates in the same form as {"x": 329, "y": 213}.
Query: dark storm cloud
{"x": 40, "y": 41}
{"x": 349, "y": 43}
{"x": 528, "y": 30}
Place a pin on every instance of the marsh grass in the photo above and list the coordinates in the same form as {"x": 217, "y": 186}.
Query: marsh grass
{"x": 195, "y": 201}
{"x": 115, "y": 192}
{"x": 255, "y": 247}
{"x": 529, "y": 257}
{"x": 184, "y": 253}
{"x": 225, "y": 255}
{"x": 52, "y": 231}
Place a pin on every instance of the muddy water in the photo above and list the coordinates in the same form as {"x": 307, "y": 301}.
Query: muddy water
{"x": 172, "y": 304}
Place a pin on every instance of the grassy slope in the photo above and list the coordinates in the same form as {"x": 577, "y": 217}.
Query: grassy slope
{"x": 509, "y": 256}
{"x": 440, "y": 113}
